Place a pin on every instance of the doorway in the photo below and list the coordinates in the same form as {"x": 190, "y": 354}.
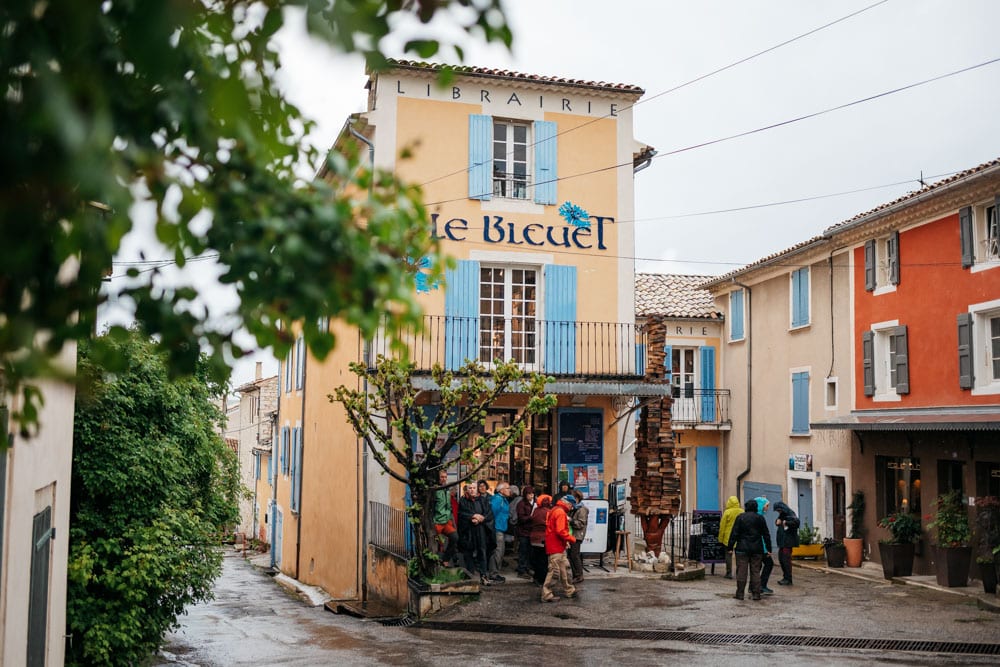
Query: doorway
{"x": 804, "y": 494}
{"x": 838, "y": 507}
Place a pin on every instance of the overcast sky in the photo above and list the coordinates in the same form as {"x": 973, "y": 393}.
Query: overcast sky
{"x": 937, "y": 129}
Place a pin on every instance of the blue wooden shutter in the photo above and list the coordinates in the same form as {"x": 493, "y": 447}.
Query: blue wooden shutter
{"x": 256, "y": 465}
{"x": 707, "y": 384}
{"x": 668, "y": 363}
{"x": 296, "y": 472}
{"x": 284, "y": 450}
{"x": 736, "y": 315}
{"x": 560, "y": 319}
{"x": 800, "y": 402}
{"x": 640, "y": 358}
{"x": 461, "y": 311}
{"x": 480, "y": 156}
{"x": 965, "y": 371}
{"x": 546, "y": 157}
{"x": 271, "y": 469}
{"x": 800, "y": 297}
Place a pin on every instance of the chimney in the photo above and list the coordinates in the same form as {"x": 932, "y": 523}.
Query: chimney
{"x": 259, "y": 371}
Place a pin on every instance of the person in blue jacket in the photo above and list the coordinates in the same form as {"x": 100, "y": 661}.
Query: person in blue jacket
{"x": 500, "y": 504}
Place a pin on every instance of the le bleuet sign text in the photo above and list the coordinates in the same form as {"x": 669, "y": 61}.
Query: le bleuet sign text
{"x": 497, "y": 230}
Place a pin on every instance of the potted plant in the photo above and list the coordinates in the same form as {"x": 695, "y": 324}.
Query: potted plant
{"x": 953, "y": 555}
{"x": 987, "y": 539}
{"x": 810, "y": 545}
{"x": 836, "y": 552}
{"x": 854, "y": 542}
{"x": 896, "y": 553}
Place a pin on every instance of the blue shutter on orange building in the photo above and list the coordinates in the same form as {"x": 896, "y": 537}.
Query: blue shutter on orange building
{"x": 461, "y": 311}
{"x": 560, "y": 318}
{"x": 480, "y": 156}
{"x": 546, "y": 156}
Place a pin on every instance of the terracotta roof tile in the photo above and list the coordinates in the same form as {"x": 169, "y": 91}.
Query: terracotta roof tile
{"x": 508, "y": 74}
{"x": 673, "y": 295}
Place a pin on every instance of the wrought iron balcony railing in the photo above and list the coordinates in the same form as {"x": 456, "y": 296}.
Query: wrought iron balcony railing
{"x": 562, "y": 349}
{"x": 695, "y": 407}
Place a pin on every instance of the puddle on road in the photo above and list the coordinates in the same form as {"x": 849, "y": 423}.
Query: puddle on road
{"x": 329, "y": 638}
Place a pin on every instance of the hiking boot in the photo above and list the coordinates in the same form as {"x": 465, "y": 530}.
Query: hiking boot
{"x": 577, "y": 580}
{"x": 498, "y": 579}
{"x": 756, "y": 596}
{"x": 554, "y": 598}
{"x": 784, "y": 582}
{"x": 766, "y": 591}
{"x": 484, "y": 581}
{"x": 737, "y": 597}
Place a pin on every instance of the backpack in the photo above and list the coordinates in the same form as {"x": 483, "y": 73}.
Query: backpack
{"x": 512, "y": 519}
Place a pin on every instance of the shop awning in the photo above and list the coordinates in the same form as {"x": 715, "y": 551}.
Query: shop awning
{"x": 930, "y": 419}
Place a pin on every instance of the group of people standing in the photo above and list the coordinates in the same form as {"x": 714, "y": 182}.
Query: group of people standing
{"x": 546, "y": 532}
{"x": 746, "y": 534}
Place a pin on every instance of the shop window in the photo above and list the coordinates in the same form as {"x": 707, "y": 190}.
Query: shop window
{"x": 987, "y": 478}
{"x": 897, "y": 481}
{"x": 950, "y": 476}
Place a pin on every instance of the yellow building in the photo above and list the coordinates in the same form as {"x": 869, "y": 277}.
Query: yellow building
{"x": 529, "y": 182}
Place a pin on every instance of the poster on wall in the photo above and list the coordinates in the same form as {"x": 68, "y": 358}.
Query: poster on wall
{"x": 581, "y": 450}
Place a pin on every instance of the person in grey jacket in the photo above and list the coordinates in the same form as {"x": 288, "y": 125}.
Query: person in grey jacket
{"x": 578, "y": 522}
{"x": 750, "y": 539}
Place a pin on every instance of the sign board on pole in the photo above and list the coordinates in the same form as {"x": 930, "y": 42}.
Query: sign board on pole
{"x": 596, "y": 540}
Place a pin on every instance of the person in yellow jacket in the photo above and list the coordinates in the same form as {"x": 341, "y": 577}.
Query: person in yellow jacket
{"x": 732, "y": 511}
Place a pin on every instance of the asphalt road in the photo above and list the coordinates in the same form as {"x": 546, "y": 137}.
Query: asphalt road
{"x": 255, "y": 621}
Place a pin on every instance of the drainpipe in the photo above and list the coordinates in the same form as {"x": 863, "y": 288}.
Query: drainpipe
{"x": 749, "y": 339}
{"x": 364, "y": 447}
{"x": 274, "y": 477}
{"x": 301, "y": 469}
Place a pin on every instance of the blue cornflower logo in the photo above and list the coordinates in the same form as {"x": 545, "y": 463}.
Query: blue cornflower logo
{"x": 575, "y": 215}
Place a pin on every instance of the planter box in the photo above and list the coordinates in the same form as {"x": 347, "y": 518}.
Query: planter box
{"x": 951, "y": 566}
{"x": 426, "y": 599}
{"x": 836, "y": 555}
{"x": 897, "y": 559}
{"x": 808, "y": 551}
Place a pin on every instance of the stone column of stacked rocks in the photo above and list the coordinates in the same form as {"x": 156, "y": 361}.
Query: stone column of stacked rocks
{"x": 656, "y": 486}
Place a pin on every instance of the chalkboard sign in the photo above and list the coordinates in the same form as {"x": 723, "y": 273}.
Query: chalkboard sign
{"x": 705, "y": 524}
{"x": 581, "y": 437}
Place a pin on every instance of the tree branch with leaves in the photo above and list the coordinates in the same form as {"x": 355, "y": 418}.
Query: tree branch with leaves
{"x": 412, "y": 446}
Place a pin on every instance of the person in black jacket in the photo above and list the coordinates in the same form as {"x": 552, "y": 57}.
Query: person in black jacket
{"x": 787, "y": 537}
{"x": 750, "y": 539}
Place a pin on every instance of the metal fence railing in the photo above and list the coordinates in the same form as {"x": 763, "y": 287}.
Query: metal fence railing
{"x": 389, "y": 530}
{"x": 700, "y": 406}
{"x": 675, "y": 538}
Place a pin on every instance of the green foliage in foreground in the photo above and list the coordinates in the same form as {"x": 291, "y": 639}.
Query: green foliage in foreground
{"x": 154, "y": 487}
{"x": 104, "y": 105}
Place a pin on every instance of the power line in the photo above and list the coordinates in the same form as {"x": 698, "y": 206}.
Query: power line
{"x": 682, "y": 85}
{"x": 756, "y": 130}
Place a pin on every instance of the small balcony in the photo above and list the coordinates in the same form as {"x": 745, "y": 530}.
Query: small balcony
{"x": 700, "y": 408}
{"x": 585, "y": 350}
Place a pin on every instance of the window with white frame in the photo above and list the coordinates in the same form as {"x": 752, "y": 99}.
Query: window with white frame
{"x": 979, "y": 348}
{"x": 830, "y": 396}
{"x": 300, "y": 362}
{"x": 510, "y": 159}
{"x": 736, "y": 318}
{"x": 979, "y": 227}
{"x": 885, "y": 361}
{"x": 882, "y": 263}
{"x": 799, "y": 293}
{"x": 288, "y": 372}
{"x": 508, "y": 309}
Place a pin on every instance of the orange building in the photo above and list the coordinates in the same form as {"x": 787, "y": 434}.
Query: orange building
{"x": 526, "y": 179}
{"x": 925, "y": 274}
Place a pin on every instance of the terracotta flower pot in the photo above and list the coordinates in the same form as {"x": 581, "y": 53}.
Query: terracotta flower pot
{"x": 855, "y": 551}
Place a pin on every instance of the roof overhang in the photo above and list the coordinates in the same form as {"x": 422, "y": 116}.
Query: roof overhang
{"x": 577, "y": 387}
{"x": 930, "y": 419}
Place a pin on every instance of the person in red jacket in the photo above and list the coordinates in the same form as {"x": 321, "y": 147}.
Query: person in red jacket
{"x": 557, "y": 538}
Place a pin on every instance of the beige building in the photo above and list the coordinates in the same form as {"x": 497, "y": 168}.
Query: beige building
{"x": 34, "y": 527}
{"x": 786, "y": 357}
{"x": 251, "y": 430}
